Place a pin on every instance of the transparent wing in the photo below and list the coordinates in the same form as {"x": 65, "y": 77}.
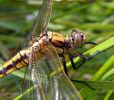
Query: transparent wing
{"x": 43, "y": 17}
{"x": 41, "y": 21}
{"x": 39, "y": 86}
{"x": 59, "y": 84}
{"x": 35, "y": 79}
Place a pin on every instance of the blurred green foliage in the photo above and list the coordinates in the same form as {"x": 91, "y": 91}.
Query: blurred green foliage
{"x": 93, "y": 17}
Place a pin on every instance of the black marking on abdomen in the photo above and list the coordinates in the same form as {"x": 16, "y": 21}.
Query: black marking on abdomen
{"x": 13, "y": 64}
{"x": 23, "y": 57}
{"x": 1, "y": 72}
{"x": 4, "y": 70}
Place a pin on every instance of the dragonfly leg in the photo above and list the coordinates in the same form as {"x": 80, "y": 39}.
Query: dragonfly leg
{"x": 84, "y": 58}
{"x": 72, "y": 62}
{"x": 83, "y": 82}
{"x": 64, "y": 65}
{"x": 91, "y": 43}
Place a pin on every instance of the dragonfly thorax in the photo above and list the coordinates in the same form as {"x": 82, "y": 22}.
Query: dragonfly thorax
{"x": 77, "y": 39}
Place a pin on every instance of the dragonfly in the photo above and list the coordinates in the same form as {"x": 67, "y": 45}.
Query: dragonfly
{"x": 46, "y": 47}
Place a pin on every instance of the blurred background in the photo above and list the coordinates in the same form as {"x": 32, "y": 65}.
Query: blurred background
{"x": 93, "y": 17}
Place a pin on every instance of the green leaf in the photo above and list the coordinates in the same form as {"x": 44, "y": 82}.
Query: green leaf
{"x": 104, "y": 69}
{"x": 95, "y": 84}
{"x": 16, "y": 25}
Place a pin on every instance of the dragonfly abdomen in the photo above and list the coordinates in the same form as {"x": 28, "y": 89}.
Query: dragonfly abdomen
{"x": 18, "y": 61}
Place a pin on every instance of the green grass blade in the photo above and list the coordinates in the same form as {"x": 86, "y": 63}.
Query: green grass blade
{"x": 109, "y": 92}
{"x": 104, "y": 68}
{"x": 96, "y": 85}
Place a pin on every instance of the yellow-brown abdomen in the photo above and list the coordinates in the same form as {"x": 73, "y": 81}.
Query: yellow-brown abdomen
{"x": 18, "y": 61}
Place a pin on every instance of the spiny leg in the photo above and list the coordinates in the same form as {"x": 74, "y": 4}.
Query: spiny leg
{"x": 86, "y": 58}
{"x": 91, "y": 43}
{"x": 66, "y": 71}
{"x": 83, "y": 57}
{"x": 64, "y": 65}
{"x": 80, "y": 81}
{"x": 74, "y": 67}
{"x": 71, "y": 60}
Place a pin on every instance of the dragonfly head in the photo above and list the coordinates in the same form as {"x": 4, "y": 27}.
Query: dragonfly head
{"x": 77, "y": 38}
